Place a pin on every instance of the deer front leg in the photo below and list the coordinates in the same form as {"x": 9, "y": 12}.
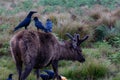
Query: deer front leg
{"x": 55, "y": 68}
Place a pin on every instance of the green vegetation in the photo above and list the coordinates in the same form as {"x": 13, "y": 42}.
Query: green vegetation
{"x": 100, "y": 19}
{"x": 89, "y": 70}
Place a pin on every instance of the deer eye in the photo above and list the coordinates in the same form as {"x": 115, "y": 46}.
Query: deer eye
{"x": 74, "y": 45}
{"x": 75, "y": 40}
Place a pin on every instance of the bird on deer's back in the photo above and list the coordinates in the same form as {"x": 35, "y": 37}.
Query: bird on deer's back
{"x": 39, "y": 24}
{"x": 49, "y": 25}
{"x": 25, "y": 23}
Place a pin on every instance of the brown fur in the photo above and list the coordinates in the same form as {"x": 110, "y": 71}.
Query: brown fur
{"x": 39, "y": 49}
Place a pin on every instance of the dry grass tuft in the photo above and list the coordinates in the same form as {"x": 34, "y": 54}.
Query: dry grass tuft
{"x": 95, "y": 12}
{"x": 104, "y": 16}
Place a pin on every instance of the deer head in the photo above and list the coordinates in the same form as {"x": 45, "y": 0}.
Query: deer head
{"x": 75, "y": 44}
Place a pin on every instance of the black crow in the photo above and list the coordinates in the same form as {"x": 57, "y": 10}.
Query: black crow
{"x": 44, "y": 76}
{"x": 9, "y": 77}
{"x": 50, "y": 73}
{"x": 39, "y": 24}
{"x": 49, "y": 25}
{"x": 26, "y": 21}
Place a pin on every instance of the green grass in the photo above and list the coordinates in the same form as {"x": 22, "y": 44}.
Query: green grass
{"x": 102, "y": 58}
{"x": 92, "y": 69}
{"x": 117, "y": 77}
{"x": 96, "y": 67}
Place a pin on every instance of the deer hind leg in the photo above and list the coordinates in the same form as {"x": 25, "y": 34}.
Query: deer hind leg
{"x": 55, "y": 68}
{"x": 28, "y": 69}
{"x": 37, "y": 74}
{"x": 19, "y": 69}
{"x": 18, "y": 66}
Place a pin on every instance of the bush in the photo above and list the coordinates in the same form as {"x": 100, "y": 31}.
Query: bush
{"x": 99, "y": 33}
{"x": 115, "y": 57}
{"x": 94, "y": 70}
{"x": 114, "y": 41}
{"x": 88, "y": 71}
{"x": 114, "y": 38}
{"x": 110, "y": 35}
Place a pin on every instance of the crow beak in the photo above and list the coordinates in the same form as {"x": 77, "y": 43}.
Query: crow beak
{"x": 34, "y": 11}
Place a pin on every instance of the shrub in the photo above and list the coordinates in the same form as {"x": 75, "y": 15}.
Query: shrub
{"x": 112, "y": 36}
{"x": 114, "y": 41}
{"x": 99, "y": 33}
{"x": 115, "y": 57}
{"x": 89, "y": 71}
{"x": 94, "y": 69}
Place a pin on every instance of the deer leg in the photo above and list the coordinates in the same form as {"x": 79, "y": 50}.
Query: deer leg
{"x": 55, "y": 68}
{"x": 37, "y": 73}
{"x": 28, "y": 68}
{"x": 26, "y": 72}
{"x": 18, "y": 66}
{"x": 19, "y": 69}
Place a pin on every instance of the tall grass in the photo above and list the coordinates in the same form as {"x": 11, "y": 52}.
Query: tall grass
{"x": 92, "y": 70}
{"x": 102, "y": 59}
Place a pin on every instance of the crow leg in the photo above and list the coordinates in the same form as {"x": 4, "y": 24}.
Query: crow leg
{"x": 25, "y": 27}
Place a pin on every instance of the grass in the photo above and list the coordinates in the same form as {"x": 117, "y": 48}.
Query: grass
{"x": 102, "y": 58}
{"x": 96, "y": 67}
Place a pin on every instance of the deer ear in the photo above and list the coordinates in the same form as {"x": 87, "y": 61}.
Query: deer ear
{"x": 83, "y": 39}
{"x": 69, "y": 35}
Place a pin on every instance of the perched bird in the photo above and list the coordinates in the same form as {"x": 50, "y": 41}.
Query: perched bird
{"x": 50, "y": 73}
{"x": 9, "y": 77}
{"x": 49, "y": 25}
{"x": 44, "y": 76}
{"x": 39, "y": 24}
{"x": 26, "y": 21}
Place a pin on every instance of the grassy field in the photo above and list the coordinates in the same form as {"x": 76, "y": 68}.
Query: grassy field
{"x": 96, "y": 18}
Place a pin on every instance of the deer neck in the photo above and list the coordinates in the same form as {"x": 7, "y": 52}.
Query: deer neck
{"x": 66, "y": 53}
